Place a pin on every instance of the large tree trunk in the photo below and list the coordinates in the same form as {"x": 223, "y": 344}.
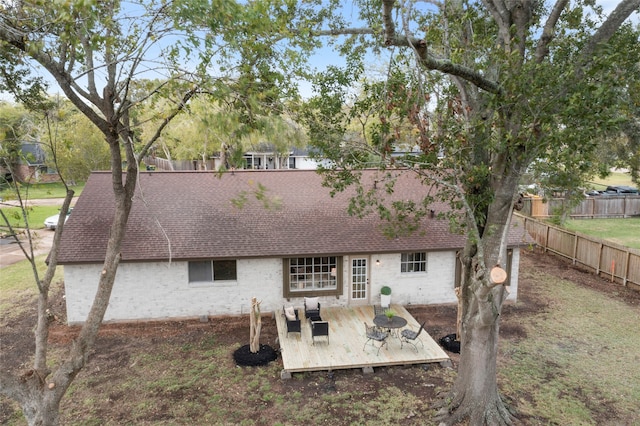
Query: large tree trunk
{"x": 38, "y": 393}
{"x": 475, "y": 393}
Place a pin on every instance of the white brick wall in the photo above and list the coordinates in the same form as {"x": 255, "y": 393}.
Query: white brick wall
{"x": 159, "y": 290}
{"x": 417, "y": 288}
{"x": 435, "y": 286}
{"x": 515, "y": 268}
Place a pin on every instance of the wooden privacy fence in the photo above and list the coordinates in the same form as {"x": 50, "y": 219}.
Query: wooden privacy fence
{"x": 591, "y": 207}
{"x": 613, "y": 261}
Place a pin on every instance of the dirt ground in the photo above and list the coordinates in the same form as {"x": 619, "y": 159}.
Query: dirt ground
{"x": 117, "y": 342}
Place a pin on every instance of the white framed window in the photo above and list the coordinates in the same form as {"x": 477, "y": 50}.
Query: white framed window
{"x": 312, "y": 276}
{"x": 413, "y": 262}
{"x": 208, "y": 271}
{"x": 313, "y": 273}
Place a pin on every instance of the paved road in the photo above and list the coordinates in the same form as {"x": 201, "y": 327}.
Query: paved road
{"x": 10, "y": 252}
{"x": 41, "y": 202}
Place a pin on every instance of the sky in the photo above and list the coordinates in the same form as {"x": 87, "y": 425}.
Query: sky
{"x": 326, "y": 56}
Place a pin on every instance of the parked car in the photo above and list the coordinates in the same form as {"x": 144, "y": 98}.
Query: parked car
{"x": 52, "y": 221}
{"x": 620, "y": 190}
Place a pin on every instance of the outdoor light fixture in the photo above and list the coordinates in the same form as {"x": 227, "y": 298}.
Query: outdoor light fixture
{"x": 378, "y": 262}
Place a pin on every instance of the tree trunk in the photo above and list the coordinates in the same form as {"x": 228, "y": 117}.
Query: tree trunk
{"x": 40, "y": 412}
{"x": 475, "y": 393}
{"x": 39, "y": 394}
{"x": 223, "y": 157}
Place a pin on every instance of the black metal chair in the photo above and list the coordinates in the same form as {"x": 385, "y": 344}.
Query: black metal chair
{"x": 374, "y": 334}
{"x": 411, "y": 337}
{"x": 319, "y": 328}
{"x": 293, "y": 325}
{"x": 378, "y": 310}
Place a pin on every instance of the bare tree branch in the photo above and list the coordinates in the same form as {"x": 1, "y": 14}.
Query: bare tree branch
{"x": 91, "y": 75}
{"x": 428, "y": 60}
{"x": 548, "y": 31}
{"x": 167, "y": 120}
{"x": 345, "y": 31}
{"x": 502, "y": 17}
{"x": 620, "y": 14}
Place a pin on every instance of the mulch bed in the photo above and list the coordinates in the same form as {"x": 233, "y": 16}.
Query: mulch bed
{"x": 244, "y": 357}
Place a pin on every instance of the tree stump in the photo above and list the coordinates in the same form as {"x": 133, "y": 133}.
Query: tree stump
{"x": 256, "y": 326}
{"x": 254, "y": 354}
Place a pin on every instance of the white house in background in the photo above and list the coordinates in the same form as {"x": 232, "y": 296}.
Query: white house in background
{"x": 264, "y": 157}
{"x": 201, "y": 244}
{"x": 267, "y": 159}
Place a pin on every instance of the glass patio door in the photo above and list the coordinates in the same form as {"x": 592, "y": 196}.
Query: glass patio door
{"x": 359, "y": 280}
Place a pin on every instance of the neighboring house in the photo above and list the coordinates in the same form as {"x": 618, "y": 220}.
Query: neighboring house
{"x": 264, "y": 157}
{"x": 201, "y": 243}
{"x": 31, "y": 166}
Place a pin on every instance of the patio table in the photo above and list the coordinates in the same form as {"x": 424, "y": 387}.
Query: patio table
{"x": 392, "y": 324}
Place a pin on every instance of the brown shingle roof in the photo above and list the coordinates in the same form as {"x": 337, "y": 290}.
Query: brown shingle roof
{"x": 196, "y": 212}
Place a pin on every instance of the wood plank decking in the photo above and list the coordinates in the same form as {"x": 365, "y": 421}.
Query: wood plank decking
{"x": 347, "y": 338}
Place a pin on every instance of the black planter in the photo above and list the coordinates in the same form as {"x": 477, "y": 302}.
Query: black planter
{"x": 450, "y": 343}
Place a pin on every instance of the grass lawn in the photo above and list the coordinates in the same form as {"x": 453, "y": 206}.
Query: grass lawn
{"x": 580, "y": 356}
{"x": 35, "y": 215}
{"x": 568, "y": 356}
{"x": 615, "y": 178}
{"x": 621, "y": 231}
{"x": 17, "y": 283}
{"x": 38, "y": 191}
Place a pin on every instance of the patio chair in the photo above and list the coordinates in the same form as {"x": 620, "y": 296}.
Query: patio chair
{"x": 378, "y": 310}
{"x": 292, "y": 320}
{"x": 411, "y": 337}
{"x": 311, "y": 307}
{"x": 319, "y": 328}
{"x": 374, "y": 334}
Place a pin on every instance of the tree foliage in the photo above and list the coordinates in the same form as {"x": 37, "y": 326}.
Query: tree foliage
{"x": 212, "y": 126}
{"x": 77, "y": 147}
{"x": 482, "y": 90}
{"x": 16, "y": 127}
{"x": 95, "y": 52}
{"x": 472, "y": 95}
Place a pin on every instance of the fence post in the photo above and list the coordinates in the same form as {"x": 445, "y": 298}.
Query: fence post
{"x": 624, "y": 208}
{"x": 627, "y": 261}
{"x": 546, "y": 237}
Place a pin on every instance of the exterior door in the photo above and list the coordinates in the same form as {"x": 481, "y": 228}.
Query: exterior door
{"x": 359, "y": 293}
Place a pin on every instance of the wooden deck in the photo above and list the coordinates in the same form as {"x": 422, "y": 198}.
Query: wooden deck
{"x": 346, "y": 341}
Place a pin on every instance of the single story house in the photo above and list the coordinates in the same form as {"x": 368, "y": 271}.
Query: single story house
{"x": 202, "y": 243}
